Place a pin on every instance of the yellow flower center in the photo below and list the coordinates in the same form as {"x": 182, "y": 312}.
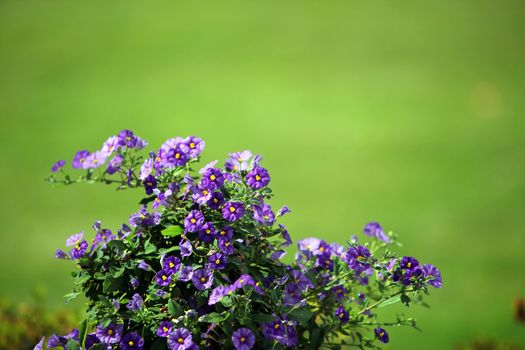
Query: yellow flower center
{"x": 165, "y": 329}
{"x": 180, "y": 340}
{"x": 321, "y": 249}
{"x": 110, "y": 331}
{"x": 227, "y": 244}
{"x": 257, "y": 177}
{"x": 212, "y": 177}
{"x": 359, "y": 257}
{"x": 164, "y": 277}
{"x": 276, "y": 326}
{"x": 204, "y": 192}
{"x": 192, "y": 220}
{"x": 149, "y": 184}
{"x": 208, "y": 231}
{"x": 381, "y": 334}
{"x": 177, "y": 155}
{"x": 243, "y": 339}
{"x": 215, "y": 200}
{"x": 409, "y": 264}
{"x": 203, "y": 279}
{"x": 192, "y": 145}
{"x": 172, "y": 265}
{"x": 131, "y": 343}
{"x": 218, "y": 261}
{"x": 232, "y": 209}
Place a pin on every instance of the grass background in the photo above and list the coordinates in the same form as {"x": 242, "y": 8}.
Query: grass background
{"x": 408, "y": 113}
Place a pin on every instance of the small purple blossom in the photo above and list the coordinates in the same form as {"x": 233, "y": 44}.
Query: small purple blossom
{"x": 185, "y": 248}
{"x": 171, "y": 264}
{"x": 58, "y": 165}
{"x": 60, "y": 254}
{"x": 432, "y": 272}
{"x": 114, "y": 164}
{"x": 381, "y": 334}
{"x": 150, "y": 183}
{"x": 212, "y": 178}
{"x": 342, "y": 314}
{"x": 180, "y": 339}
{"x": 238, "y": 161}
{"x": 95, "y": 160}
{"x": 243, "y": 339}
{"x": 284, "y": 210}
{"x": 163, "y": 278}
{"x": 217, "y": 261}
{"x": 110, "y": 145}
{"x": 136, "y": 302}
{"x": 186, "y": 273}
{"x": 258, "y": 178}
{"x": 408, "y": 263}
{"x": 263, "y": 214}
{"x": 194, "y": 221}
{"x": 216, "y": 200}
{"x": 374, "y": 229}
{"x": 202, "y": 279}
{"x": 146, "y": 168}
{"x": 233, "y": 211}
{"x": 80, "y": 159}
{"x": 110, "y": 334}
{"x": 165, "y": 328}
{"x": 207, "y": 233}
{"x": 192, "y": 146}
{"x": 144, "y": 266}
{"x": 132, "y": 341}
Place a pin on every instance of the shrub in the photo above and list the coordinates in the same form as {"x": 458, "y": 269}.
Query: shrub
{"x": 199, "y": 264}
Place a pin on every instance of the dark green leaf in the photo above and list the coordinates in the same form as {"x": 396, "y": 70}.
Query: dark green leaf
{"x": 214, "y": 317}
{"x": 300, "y": 315}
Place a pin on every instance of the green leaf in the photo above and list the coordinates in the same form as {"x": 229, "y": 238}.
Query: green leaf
{"x": 300, "y": 315}
{"x": 159, "y": 344}
{"x": 117, "y": 244}
{"x": 214, "y": 317}
{"x": 262, "y": 318}
{"x": 71, "y": 296}
{"x": 172, "y": 231}
{"x": 405, "y": 300}
{"x": 82, "y": 332}
{"x": 112, "y": 284}
{"x": 390, "y": 301}
{"x": 174, "y": 309}
{"x": 316, "y": 338}
{"x": 72, "y": 345}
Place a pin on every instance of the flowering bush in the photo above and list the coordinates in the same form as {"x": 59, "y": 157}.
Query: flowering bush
{"x": 198, "y": 265}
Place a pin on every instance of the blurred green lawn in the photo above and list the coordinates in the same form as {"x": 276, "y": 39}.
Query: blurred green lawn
{"x": 409, "y": 113}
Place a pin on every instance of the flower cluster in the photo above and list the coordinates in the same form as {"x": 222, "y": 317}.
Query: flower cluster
{"x": 198, "y": 266}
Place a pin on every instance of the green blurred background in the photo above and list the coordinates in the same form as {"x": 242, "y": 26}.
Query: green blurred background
{"x": 408, "y": 113}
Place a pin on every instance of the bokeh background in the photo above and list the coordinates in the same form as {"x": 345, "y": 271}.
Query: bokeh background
{"x": 408, "y": 113}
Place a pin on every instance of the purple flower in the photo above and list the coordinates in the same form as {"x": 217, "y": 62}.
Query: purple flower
{"x": 292, "y": 295}
{"x": 94, "y": 160}
{"x": 202, "y": 279}
{"x": 144, "y": 218}
{"x": 171, "y": 264}
{"x": 217, "y": 294}
{"x": 80, "y": 159}
{"x": 381, "y": 334}
{"x": 212, "y": 178}
{"x": 258, "y": 178}
{"x": 339, "y": 292}
{"x": 356, "y": 258}
{"x": 217, "y": 261}
{"x": 40, "y": 344}
{"x": 177, "y": 157}
{"x": 134, "y": 282}
{"x": 58, "y": 165}
{"x": 165, "y": 328}
{"x": 201, "y": 194}
{"x": 150, "y": 183}
{"x": 110, "y": 334}
{"x": 78, "y": 250}
{"x": 192, "y": 146}
{"x": 342, "y": 314}
{"x": 282, "y": 331}
{"x": 185, "y": 248}
{"x": 283, "y": 210}
{"x": 180, "y": 339}
{"x": 146, "y": 168}
{"x": 309, "y": 246}
{"x": 132, "y": 341}
{"x": 286, "y": 236}
{"x": 186, "y": 273}
{"x": 126, "y": 138}
{"x": 431, "y": 271}
{"x": 163, "y": 278}
{"x": 243, "y": 339}
{"x": 238, "y": 161}
{"x": 373, "y": 229}
{"x": 110, "y": 146}
{"x": 263, "y": 214}
{"x": 207, "y": 233}
{"x": 114, "y": 164}
{"x": 60, "y": 254}
{"x": 144, "y": 266}
{"x": 226, "y": 246}
{"x": 225, "y": 233}
{"x": 136, "y": 302}
{"x": 408, "y": 263}
{"x": 233, "y": 211}
{"x": 194, "y": 221}
{"x": 92, "y": 339}
{"x": 216, "y": 200}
